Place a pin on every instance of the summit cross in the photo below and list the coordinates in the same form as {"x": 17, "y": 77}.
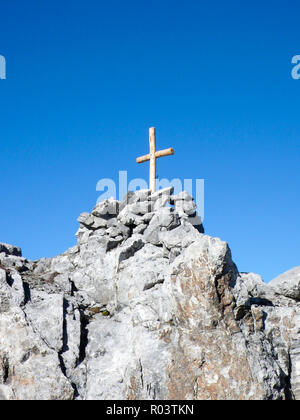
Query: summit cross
{"x": 152, "y": 156}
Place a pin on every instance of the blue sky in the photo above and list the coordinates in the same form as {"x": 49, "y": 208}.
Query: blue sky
{"x": 85, "y": 81}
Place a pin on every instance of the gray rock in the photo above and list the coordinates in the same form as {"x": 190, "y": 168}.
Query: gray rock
{"x": 107, "y": 209}
{"x": 164, "y": 218}
{"x": 10, "y": 249}
{"x": 137, "y": 208}
{"x": 114, "y": 242}
{"x": 12, "y": 262}
{"x": 147, "y": 217}
{"x": 118, "y": 230}
{"x": 140, "y": 228}
{"x": 130, "y": 247}
{"x": 45, "y": 315}
{"x": 72, "y": 337}
{"x": 160, "y": 202}
{"x": 86, "y": 219}
{"x": 160, "y": 193}
{"x": 31, "y": 369}
{"x": 160, "y": 198}
{"x": 140, "y": 208}
{"x": 99, "y": 223}
{"x": 288, "y": 284}
{"x": 185, "y": 207}
{"x": 17, "y": 288}
{"x": 6, "y": 295}
{"x": 42, "y": 266}
{"x": 183, "y": 195}
{"x": 195, "y": 220}
{"x": 295, "y": 358}
{"x": 145, "y": 307}
{"x": 92, "y": 222}
{"x": 134, "y": 197}
{"x": 128, "y": 218}
{"x": 180, "y": 237}
{"x": 184, "y": 204}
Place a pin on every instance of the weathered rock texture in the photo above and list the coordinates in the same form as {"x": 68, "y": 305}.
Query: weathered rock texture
{"x": 145, "y": 306}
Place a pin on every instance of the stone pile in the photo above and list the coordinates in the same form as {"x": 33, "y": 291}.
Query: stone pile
{"x": 140, "y": 212}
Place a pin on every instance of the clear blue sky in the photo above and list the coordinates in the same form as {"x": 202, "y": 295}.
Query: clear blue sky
{"x": 85, "y": 81}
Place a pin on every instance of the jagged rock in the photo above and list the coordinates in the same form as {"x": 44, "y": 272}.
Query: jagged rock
{"x": 140, "y": 228}
{"x": 86, "y": 219}
{"x": 118, "y": 230}
{"x": 92, "y": 222}
{"x": 165, "y": 218}
{"x": 107, "y": 209}
{"x": 182, "y": 195}
{"x": 185, "y": 207}
{"x": 130, "y": 248}
{"x": 184, "y": 203}
{"x": 41, "y": 266}
{"x": 168, "y": 191}
{"x": 295, "y": 358}
{"x": 31, "y": 369}
{"x": 128, "y": 218}
{"x": 44, "y": 313}
{"x": 145, "y": 307}
{"x": 6, "y": 295}
{"x": 195, "y": 220}
{"x": 99, "y": 223}
{"x": 140, "y": 208}
{"x": 10, "y": 250}
{"x": 15, "y": 263}
{"x": 134, "y": 197}
{"x": 288, "y": 284}
{"x": 179, "y": 237}
{"x": 11, "y": 289}
{"x": 250, "y": 290}
{"x": 72, "y": 335}
{"x": 114, "y": 242}
{"x": 147, "y": 217}
{"x": 159, "y": 203}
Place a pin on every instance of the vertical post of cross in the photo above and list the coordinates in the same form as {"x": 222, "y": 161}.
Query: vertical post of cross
{"x": 152, "y": 142}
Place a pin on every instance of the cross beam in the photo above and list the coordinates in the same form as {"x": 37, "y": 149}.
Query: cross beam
{"x": 152, "y": 156}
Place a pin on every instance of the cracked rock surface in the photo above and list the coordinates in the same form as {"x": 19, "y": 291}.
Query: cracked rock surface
{"x": 145, "y": 306}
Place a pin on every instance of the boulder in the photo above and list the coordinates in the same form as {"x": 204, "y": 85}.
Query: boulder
{"x": 106, "y": 209}
{"x": 288, "y": 284}
{"x": 134, "y": 197}
{"x": 10, "y": 250}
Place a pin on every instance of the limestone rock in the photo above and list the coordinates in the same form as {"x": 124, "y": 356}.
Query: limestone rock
{"x": 107, "y": 209}
{"x": 135, "y": 197}
{"x": 10, "y": 249}
{"x": 145, "y": 306}
{"x": 288, "y": 284}
{"x": 168, "y": 191}
{"x": 182, "y": 196}
{"x": 165, "y": 218}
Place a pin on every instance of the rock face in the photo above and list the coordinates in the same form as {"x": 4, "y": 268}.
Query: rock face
{"x": 145, "y": 306}
{"x": 288, "y": 284}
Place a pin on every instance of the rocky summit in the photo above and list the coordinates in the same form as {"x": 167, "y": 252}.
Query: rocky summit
{"x": 145, "y": 307}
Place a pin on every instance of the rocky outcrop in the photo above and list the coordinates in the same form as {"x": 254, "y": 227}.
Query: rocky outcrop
{"x": 145, "y": 306}
{"x": 288, "y": 285}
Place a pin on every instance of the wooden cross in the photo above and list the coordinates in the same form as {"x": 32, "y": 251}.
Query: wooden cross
{"x": 152, "y": 156}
